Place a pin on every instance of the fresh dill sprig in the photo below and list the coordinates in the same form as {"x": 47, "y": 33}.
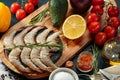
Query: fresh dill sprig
{"x": 40, "y": 16}
{"x": 46, "y": 44}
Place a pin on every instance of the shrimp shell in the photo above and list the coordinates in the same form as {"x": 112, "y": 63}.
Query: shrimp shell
{"x": 52, "y": 40}
{"x": 26, "y": 52}
{"x": 15, "y": 60}
{"x": 18, "y": 40}
{"x": 25, "y": 58}
{"x": 35, "y": 53}
{"x": 44, "y": 55}
{"x": 8, "y": 40}
{"x": 30, "y": 37}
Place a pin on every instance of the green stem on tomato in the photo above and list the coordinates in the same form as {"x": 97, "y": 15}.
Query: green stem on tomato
{"x": 22, "y": 3}
{"x": 17, "y": 1}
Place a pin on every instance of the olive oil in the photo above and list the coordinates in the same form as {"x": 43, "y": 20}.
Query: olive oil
{"x": 111, "y": 51}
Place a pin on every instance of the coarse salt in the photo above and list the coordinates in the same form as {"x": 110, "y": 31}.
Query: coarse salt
{"x": 63, "y": 76}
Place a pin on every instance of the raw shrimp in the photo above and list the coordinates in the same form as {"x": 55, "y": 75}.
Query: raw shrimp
{"x": 35, "y": 53}
{"x": 15, "y": 60}
{"x": 25, "y": 58}
{"x": 52, "y": 40}
{"x": 30, "y": 37}
{"x": 8, "y": 40}
{"x": 25, "y": 55}
{"x": 18, "y": 40}
{"x": 41, "y": 38}
{"x": 15, "y": 53}
{"x": 44, "y": 55}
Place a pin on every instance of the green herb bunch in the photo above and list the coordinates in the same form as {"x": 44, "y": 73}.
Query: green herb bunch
{"x": 95, "y": 57}
{"x": 46, "y": 44}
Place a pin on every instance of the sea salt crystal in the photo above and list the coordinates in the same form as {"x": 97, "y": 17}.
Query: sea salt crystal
{"x": 4, "y": 75}
{"x": 63, "y": 76}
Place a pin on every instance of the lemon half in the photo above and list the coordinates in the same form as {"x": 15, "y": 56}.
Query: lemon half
{"x": 74, "y": 26}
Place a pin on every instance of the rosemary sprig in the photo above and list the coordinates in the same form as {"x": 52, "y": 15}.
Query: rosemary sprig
{"x": 46, "y": 44}
{"x": 40, "y": 16}
{"x": 95, "y": 56}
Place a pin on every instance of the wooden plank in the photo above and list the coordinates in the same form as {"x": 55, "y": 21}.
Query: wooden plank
{"x": 71, "y": 47}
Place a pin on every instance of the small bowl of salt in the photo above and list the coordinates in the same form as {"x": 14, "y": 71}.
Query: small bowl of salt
{"x": 63, "y": 74}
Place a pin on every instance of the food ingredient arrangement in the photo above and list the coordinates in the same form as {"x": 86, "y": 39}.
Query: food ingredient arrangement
{"x": 28, "y": 48}
{"x": 102, "y": 31}
{"x": 34, "y": 56}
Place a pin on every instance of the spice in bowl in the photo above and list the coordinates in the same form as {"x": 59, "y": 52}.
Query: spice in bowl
{"x": 85, "y": 61}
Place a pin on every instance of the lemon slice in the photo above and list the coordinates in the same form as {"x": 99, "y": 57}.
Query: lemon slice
{"x": 74, "y": 26}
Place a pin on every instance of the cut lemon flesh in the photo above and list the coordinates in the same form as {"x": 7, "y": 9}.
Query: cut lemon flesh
{"x": 74, "y": 26}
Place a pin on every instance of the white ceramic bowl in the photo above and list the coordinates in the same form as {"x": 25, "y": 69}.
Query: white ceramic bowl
{"x": 63, "y": 74}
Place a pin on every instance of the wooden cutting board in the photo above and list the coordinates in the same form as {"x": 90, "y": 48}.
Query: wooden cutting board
{"x": 71, "y": 47}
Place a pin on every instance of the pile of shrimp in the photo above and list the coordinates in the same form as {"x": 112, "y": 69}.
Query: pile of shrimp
{"x": 31, "y": 59}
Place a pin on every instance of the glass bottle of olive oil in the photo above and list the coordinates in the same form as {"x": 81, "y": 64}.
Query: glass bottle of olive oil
{"x": 111, "y": 51}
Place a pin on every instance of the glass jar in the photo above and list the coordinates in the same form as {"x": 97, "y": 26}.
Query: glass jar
{"x": 85, "y": 61}
{"x": 111, "y": 51}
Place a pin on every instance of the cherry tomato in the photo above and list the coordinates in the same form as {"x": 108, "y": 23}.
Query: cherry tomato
{"x": 114, "y": 21}
{"x": 97, "y": 9}
{"x": 20, "y": 14}
{"x": 14, "y": 7}
{"x": 100, "y": 38}
{"x": 110, "y": 32}
{"x": 29, "y": 7}
{"x": 34, "y": 2}
{"x": 97, "y": 2}
{"x": 94, "y": 27}
{"x": 92, "y": 17}
{"x": 113, "y": 11}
